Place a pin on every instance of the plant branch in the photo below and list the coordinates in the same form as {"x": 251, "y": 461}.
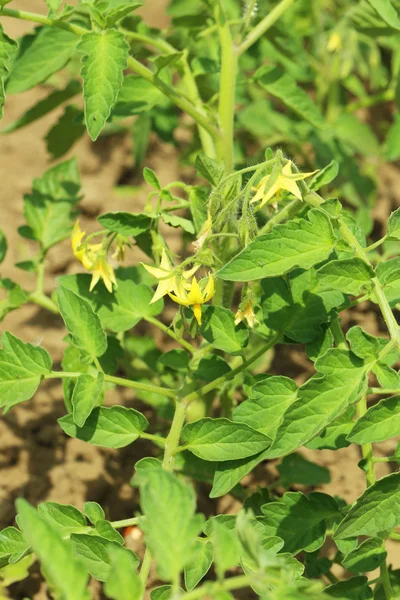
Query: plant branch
{"x": 136, "y": 385}
{"x": 182, "y": 102}
{"x": 44, "y": 301}
{"x": 194, "y": 395}
{"x": 263, "y": 26}
{"x": 171, "y": 333}
{"x": 174, "y": 435}
{"x": 210, "y": 590}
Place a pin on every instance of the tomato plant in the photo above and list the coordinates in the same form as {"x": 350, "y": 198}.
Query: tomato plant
{"x": 274, "y": 227}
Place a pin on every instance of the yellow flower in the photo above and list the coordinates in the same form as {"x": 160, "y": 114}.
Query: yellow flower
{"x": 285, "y": 181}
{"x": 204, "y": 233}
{"x": 102, "y": 270}
{"x": 93, "y": 258}
{"x": 196, "y": 297}
{"x": 334, "y": 42}
{"x": 169, "y": 279}
{"x": 246, "y": 313}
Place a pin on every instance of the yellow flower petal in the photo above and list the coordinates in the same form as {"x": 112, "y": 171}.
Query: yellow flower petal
{"x": 197, "y": 312}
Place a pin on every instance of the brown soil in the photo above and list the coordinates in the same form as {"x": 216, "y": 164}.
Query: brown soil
{"x": 37, "y": 461}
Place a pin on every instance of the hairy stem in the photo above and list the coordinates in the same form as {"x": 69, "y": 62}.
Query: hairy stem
{"x": 174, "y": 435}
{"x": 171, "y": 333}
{"x": 227, "y": 91}
{"x": 44, "y": 301}
{"x": 263, "y": 26}
{"x": 338, "y": 335}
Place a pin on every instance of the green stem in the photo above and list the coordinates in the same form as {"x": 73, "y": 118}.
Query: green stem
{"x": 227, "y": 90}
{"x": 263, "y": 26}
{"x": 125, "y": 522}
{"x": 376, "y": 244}
{"x": 174, "y": 435}
{"x": 40, "y": 278}
{"x": 385, "y": 579}
{"x": 248, "y": 15}
{"x": 381, "y": 299}
{"x": 394, "y": 536}
{"x": 145, "y": 568}
{"x": 157, "y": 439}
{"x": 210, "y": 590}
{"x": 194, "y": 395}
{"x": 366, "y": 449}
{"x": 171, "y": 333}
{"x": 136, "y": 385}
{"x": 287, "y": 211}
{"x": 384, "y": 459}
{"x": 389, "y": 391}
{"x": 44, "y": 301}
{"x": 43, "y": 20}
{"x": 182, "y": 102}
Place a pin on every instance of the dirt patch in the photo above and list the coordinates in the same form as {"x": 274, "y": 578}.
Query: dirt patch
{"x": 37, "y": 460}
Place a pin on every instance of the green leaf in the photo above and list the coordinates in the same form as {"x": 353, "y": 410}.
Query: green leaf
{"x": 166, "y": 60}
{"x": 296, "y": 469}
{"x": 381, "y": 422}
{"x": 324, "y": 176}
{"x": 49, "y": 51}
{"x": 136, "y": 96}
{"x": 176, "y": 359}
{"x": 93, "y": 553}
{"x": 392, "y": 145}
{"x": 377, "y": 510}
{"x": 299, "y": 520}
{"x": 335, "y": 435}
{"x": 12, "y": 546}
{"x": 281, "y": 85}
{"x": 163, "y": 592}
{"x": 63, "y": 517}
{"x": 221, "y": 439}
{"x": 107, "y": 531}
{"x": 200, "y": 564}
{"x": 219, "y": 329}
{"x": 65, "y": 573}
{"x": 368, "y": 556}
{"x": 364, "y": 345}
{"x": 85, "y": 396}
{"x": 94, "y": 512}
{"x": 301, "y": 243}
{"x": 66, "y": 132}
{"x": 53, "y": 6}
{"x": 393, "y": 226}
{"x": 22, "y": 367}
{"x": 83, "y": 324}
{"x": 320, "y": 401}
{"x": 226, "y": 547}
{"x": 268, "y": 401}
{"x": 211, "y": 367}
{"x": 105, "y": 58}
{"x": 129, "y": 304}
{"x": 129, "y": 224}
{"x": 230, "y": 472}
{"x": 387, "y": 12}
{"x": 176, "y": 221}
{"x": 123, "y": 582}
{"x": 297, "y": 306}
{"x": 43, "y": 107}
{"x": 355, "y": 588}
{"x": 349, "y": 275}
{"x": 113, "y": 427}
{"x": 170, "y": 526}
{"x": 387, "y": 377}
{"x": 356, "y": 134}
{"x": 49, "y": 209}
{"x": 119, "y": 12}
{"x": 209, "y": 168}
{"x": 151, "y": 178}
{"x": 7, "y": 48}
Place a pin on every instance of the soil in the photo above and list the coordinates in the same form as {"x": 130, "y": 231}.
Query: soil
{"x": 37, "y": 461}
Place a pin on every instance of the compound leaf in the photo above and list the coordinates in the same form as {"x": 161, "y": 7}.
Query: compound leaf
{"x": 381, "y": 422}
